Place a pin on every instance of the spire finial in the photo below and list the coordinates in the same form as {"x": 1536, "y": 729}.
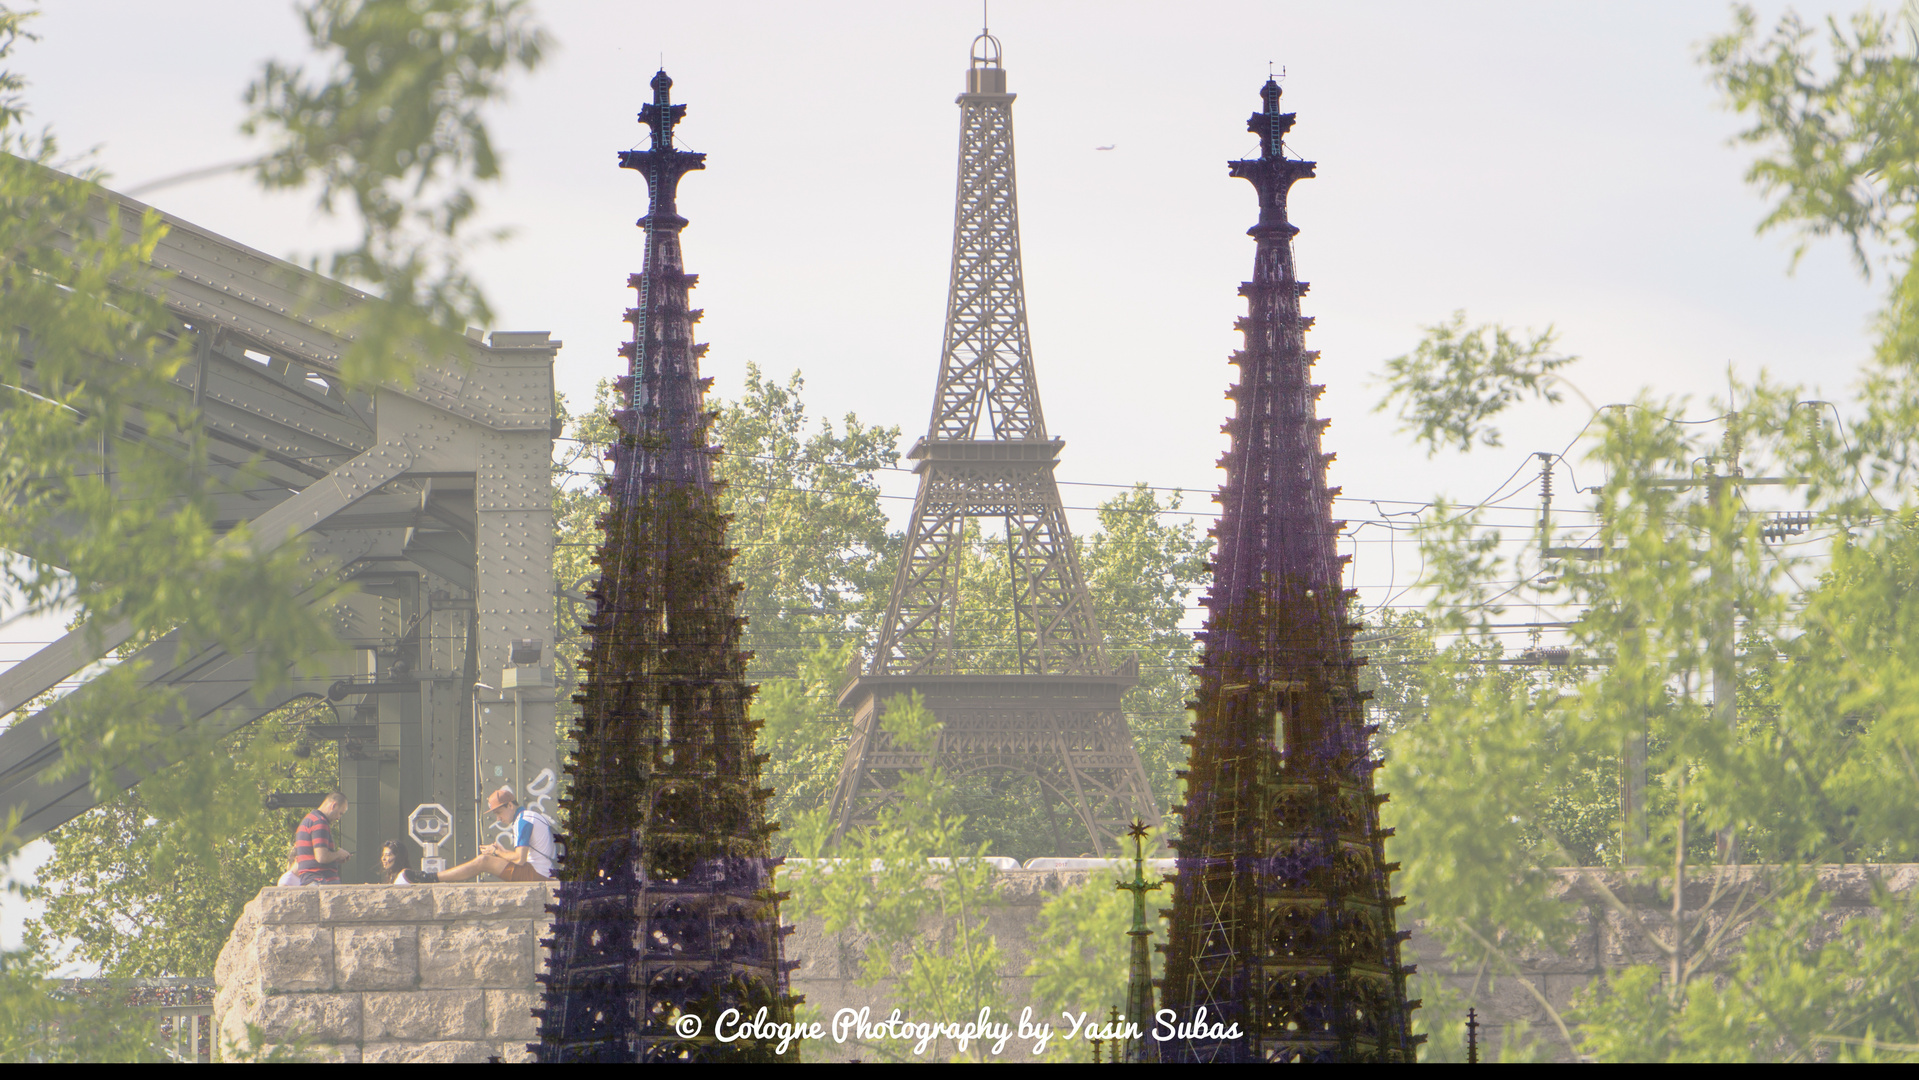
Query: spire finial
{"x": 662, "y": 115}
{"x": 1269, "y": 123}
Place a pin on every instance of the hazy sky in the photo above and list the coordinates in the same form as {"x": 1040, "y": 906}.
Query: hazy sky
{"x": 1530, "y": 162}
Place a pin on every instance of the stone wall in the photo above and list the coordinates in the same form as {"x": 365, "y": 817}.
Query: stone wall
{"x": 445, "y": 972}
{"x": 385, "y": 973}
{"x": 1603, "y": 938}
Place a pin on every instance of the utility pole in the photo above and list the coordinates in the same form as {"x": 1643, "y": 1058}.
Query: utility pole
{"x": 1723, "y": 628}
{"x": 1632, "y": 750}
{"x": 1725, "y": 676}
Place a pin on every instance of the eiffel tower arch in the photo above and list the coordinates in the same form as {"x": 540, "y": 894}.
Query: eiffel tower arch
{"x": 986, "y": 455}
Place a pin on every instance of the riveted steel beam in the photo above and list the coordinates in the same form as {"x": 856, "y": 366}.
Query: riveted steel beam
{"x": 431, "y": 502}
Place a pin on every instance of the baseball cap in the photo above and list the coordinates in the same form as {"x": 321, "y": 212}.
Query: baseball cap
{"x": 502, "y": 797}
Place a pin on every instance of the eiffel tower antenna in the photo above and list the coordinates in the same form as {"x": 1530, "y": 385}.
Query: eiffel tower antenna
{"x": 1052, "y": 710}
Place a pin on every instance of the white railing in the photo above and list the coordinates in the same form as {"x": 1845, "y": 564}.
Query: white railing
{"x": 1002, "y": 862}
{"x": 182, "y": 1010}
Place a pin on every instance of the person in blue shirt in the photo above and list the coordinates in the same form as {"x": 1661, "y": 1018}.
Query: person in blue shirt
{"x": 527, "y": 857}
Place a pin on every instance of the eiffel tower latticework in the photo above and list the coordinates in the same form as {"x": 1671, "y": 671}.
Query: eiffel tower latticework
{"x": 1283, "y": 926}
{"x": 666, "y": 905}
{"x": 1056, "y": 715}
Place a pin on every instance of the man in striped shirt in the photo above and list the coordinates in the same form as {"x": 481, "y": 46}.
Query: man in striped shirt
{"x": 319, "y": 859}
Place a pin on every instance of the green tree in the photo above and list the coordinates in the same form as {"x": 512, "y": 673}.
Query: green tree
{"x": 396, "y": 127}
{"x": 88, "y": 416}
{"x": 915, "y": 890}
{"x": 134, "y": 892}
{"x": 1082, "y": 958}
{"x": 92, "y": 416}
{"x": 41, "y": 1023}
{"x": 1146, "y": 567}
{"x": 1459, "y": 377}
{"x": 805, "y": 733}
{"x": 1631, "y": 756}
{"x": 1142, "y": 573}
{"x": 813, "y": 556}
{"x": 1839, "y": 157}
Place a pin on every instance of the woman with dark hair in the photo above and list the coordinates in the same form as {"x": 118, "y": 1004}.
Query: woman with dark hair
{"x": 292, "y": 877}
{"x": 393, "y": 863}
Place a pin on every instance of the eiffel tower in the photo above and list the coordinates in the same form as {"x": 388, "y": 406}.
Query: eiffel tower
{"x": 986, "y": 454}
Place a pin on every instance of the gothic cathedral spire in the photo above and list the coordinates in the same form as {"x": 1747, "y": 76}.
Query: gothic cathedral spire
{"x": 1282, "y": 921}
{"x": 666, "y": 906}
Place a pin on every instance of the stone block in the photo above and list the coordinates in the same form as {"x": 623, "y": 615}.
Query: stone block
{"x": 1623, "y": 941}
{"x": 1900, "y": 877}
{"x": 235, "y": 999}
{"x": 1426, "y": 951}
{"x": 514, "y": 1053}
{"x": 477, "y": 955}
{"x": 1848, "y": 884}
{"x": 838, "y": 956}
{"x": 1034, "y": 887}
{"x": 239, "y": 961}
{"x": 237, "y": 951}
{"x": 1578, "y": 953}
{"x": 1561, "y": 990}
{"x": 816, "y": 950}
{"x": 509, "y": 1014}
{"x": 423, "y": 1015}
{"x": 231, "y": 1026}
{"x": 376, "y": 957}
{"x": 294, "y": 905}
{"x": 295, "y": 957}
{"x": 329, "y": 1054}
{"x": 1504, "y": 999}
{"x": 824, "y": 997}
{"x": 374, "y": 903}
{"x": 443, "y": 1052}
{"x": 319, "y": 1018}
{"x": 1832, "y": 925}
{"x": 1012, "y": 929}
{"x": 489, "y": 901}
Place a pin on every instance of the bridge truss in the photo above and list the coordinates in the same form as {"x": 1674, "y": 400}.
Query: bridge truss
{"x": 433, "y": 502}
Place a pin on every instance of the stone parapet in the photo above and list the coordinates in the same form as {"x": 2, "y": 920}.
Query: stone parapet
{"x": 1620, "y": 918}
{"x": 445, "y": 972}
{"x": 385, "y": 972}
